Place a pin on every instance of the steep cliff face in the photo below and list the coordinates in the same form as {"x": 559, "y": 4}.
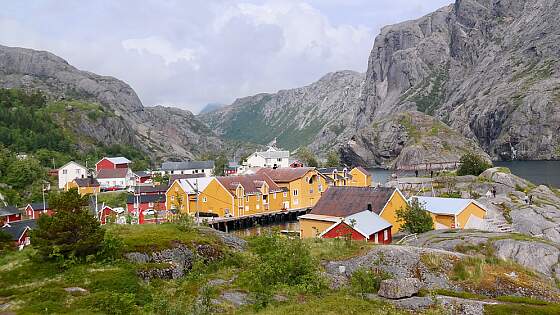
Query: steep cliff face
{"x": 159, "y": 131}
{"x": 487, "y": 68}
{"x": 316, "y": 114}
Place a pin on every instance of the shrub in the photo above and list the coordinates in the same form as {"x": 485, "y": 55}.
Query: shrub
{"x": 472, "y": 164}
{"x": 333, "y": 159}
{"x": 453, "y": 194}
{"x": 414, "y": 218}
{"x": 366, "y": 281}
{"x": 72, "y": 233}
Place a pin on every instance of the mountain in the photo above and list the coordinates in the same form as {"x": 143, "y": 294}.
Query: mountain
{"x": 487, "y": 68}
{"x": 210, "y": 107}
{"x": 159, "y": 131}
{"x": 318, "y": 113}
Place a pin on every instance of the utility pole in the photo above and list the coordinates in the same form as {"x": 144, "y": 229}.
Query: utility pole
{"x": 44, "y": 202}
{"x": 197, "y": 197}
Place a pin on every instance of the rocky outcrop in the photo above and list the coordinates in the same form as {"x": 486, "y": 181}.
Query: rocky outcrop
{"x": 316, "y": 114}
{"x": 171, "y": 263}
{"x": 407, "y": 139}
{"x": 399, "y": 288}
{"x": 489, "y": 69}
{"x": 159, "y": 131}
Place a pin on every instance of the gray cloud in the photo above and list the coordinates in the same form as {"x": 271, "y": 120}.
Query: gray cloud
{"x": 189, "y": 53}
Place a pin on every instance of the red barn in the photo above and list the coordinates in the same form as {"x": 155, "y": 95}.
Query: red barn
{"x": 112, "y": 163}
{"x": 37, "y": 209}
{"x": 9, "y": 214}
{"x": 365, "y": 225}
{"x": 145, "y": 202}
{"x": 19, "y": 231}
{"x": 142, "y": 177}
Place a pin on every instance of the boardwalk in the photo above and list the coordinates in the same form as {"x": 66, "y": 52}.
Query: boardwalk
{"x": 265, "y": 218}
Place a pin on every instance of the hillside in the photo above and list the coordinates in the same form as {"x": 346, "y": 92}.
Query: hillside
{"x": 160, "y": 132}
{"x": 163, "y": 269}
{"x": 318, "y": 113}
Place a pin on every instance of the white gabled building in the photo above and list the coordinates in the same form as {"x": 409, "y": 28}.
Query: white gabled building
{"x": 69, "y": 172}
{"x": 187, "y": 168}
{"x": 271, "y": 158}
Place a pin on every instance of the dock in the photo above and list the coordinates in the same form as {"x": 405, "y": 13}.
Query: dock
{"x": 265, "y": 218}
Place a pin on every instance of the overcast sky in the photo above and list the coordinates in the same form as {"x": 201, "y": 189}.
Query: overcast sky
{"x": 190, "y": 53}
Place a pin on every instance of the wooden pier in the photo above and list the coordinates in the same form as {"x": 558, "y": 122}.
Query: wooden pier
{"x": 262, "y": 219}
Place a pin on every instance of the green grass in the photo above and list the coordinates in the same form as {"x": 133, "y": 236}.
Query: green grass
{"x": 336, "y": 249}
{"x": 331, "y": 304}
{"x": 113, "y": 199}
{"x": 153, "y": 237}
{"x": 521, "y": 309}
{"x": 462, "y": 295}
{"x": 522, "y": 300}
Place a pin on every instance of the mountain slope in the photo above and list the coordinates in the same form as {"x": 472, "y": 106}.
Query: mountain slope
{"x": 318, "y": 113}
{"x": 486, "y": 68}
{"x": 161, "y": 132}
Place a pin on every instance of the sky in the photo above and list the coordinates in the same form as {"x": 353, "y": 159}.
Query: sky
{"x": 190, "y": 53}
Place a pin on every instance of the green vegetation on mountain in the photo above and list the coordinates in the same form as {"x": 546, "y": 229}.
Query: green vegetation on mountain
{"x": 34, "y": 136}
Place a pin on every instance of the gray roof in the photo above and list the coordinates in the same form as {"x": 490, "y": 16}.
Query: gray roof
{"x": 16, "y": 229}
{"x": 9, "y": 210}
{"x": 187, "y": 165}
{"x": 274, "y": 154}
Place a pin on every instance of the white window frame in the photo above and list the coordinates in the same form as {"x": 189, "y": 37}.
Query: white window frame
{"x": 295, "y": 192}
{"x": 204, "y": 199}
{"x": 385, "y": 235}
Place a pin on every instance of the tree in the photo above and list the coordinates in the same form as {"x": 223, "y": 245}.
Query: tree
{"x": 472, "y": 164}
{"x": 5, "y": 241}
{"x": 414, "y": 218}
{"x": 333, "y": 159}
{"x": 307, "y": 157}
{"x": 72, "y": 232}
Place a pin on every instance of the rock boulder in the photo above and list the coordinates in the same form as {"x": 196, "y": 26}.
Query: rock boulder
{"x": 399, "y": 288}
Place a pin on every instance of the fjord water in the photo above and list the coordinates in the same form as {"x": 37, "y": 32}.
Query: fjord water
{"x": 537, "y": 172}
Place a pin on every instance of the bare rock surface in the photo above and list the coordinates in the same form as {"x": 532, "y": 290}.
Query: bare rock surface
{"x": 399, "y": 288}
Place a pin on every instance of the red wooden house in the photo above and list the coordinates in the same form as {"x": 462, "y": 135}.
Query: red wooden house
{"x": 112, "y": 163}
{"x": 19, "y": 231}
{"x": 107, "y": 213}
{"x": 37, "y": 209}
{"x": 142, "y": 177}
{"x": 365, "y": 225}
{"x": 9, "y": 214}
{"x": 143, "y": 204}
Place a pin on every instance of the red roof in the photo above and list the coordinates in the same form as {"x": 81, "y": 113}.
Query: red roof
{"x": 345, "y": 201}
{"x": 285, "y": 175}
{"x": 251, "y": 183}
{"x": 112, "y": 173}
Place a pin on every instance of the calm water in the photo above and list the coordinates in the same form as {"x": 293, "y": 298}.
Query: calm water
{"x": 538, "y": 172}
{"x": 290, "y": 226}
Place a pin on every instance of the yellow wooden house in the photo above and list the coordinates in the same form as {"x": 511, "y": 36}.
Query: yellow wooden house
{"x": 453, "y": 213}
{"x": 360, "y": 177}
{"x": 85, "y": 186}
{"x": 303, "y": 186}
{"x": 213, "y": 198}
{"x": 341, "y": 202}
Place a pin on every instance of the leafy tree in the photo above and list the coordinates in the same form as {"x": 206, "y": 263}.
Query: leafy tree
{"x": 5, "y": 241}
{"x": 23, "y": 173}
{"x": 472, "y": 164}
{"x": 308, "y": 158}
{"x": 220, "y": 162}
{"x": 414, "y": 218}
{"x": 333, "y": 159}
{"x": 71, "y": 233}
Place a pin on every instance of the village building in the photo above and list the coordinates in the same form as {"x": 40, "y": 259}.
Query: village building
{"x": 111, "y": 215}
{"x": 271, "y": 158}
{"x": 453, "y": 213}
{"x": 85, "y": 186}
{"x": 343, "y": 202}
{"x": 360, "y": 177}
{"x": 365, "y": 225}
{"x": 232, "y": 168}
{"x": 142, "y": 177}
{"x": 252, "y": 194}
{"x": 182, "y": 196}
{"x": 175, "y": 177}
{"x": 37, "y": 209}
{"x": 112, "y": 163}
{"x": 187, "y": 167}
{"x": 115, "y": 178}
{"x": 149, "y": 190}
{"x": 296, "y": 163}
{"x": 69, "y": 172}
{"x": 9, "y": 214}
{"x": 303, "y": 185}
{"x": 336, "y": 176}
{"x": 19, "y": 231}
{"x": 144, "y": 202}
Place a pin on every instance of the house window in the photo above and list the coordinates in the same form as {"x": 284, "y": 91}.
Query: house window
{"x": 285, "y": 194}
{"x": 246, "y": 208}
{"x": 279, "y": 160}
{"x": 296, "y": 202}
{"x": 320, "y": 188}
{"x": 385, "y": 235}
{"x": 295, "y": 193}
{"x": 376, "y": 239}
{"x": 65, "y": 172}
{"x": 258, "y": 206}
{"x": 265, "y": 198}
{"x": 274, "y": 195}
{"x": 204, "y": 199}
{"x": 247, "y": 198}
{"x": 150, "y": 204}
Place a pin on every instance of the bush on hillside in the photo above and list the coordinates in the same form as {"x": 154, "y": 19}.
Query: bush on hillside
{"x": 333, "y": 159}
{"x": 364, "y": 281}
{"x": 472, "y": 164}
{"x": 72, "y": 233}
{"x": 414, "y": 218}
{"x": 307, "y": 157}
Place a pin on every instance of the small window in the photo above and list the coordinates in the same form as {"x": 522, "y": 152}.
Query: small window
{"x": 64, "y": 171}
{"x": 204, "y": 199}
{"x": 279, "y": 160}
{"x": 320, "y": 188}
{"x": 274, "y": 195}
{"x": 295, "y": 193}
{"x": 385, "y": 235}
{"x": 285, "y": 194}
{"x": 296, "y": 202}
{"x": 150, "y": 204}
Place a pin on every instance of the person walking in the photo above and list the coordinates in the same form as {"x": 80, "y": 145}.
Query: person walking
{"x": 526, "y": 199}
{"x": 494, "y": 192}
